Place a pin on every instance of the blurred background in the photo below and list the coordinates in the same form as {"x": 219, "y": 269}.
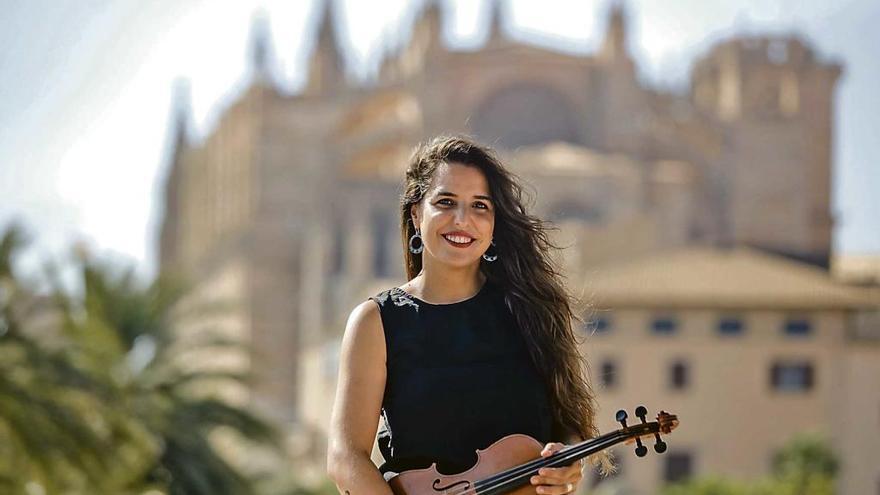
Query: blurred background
{"x": 196, "y": 194}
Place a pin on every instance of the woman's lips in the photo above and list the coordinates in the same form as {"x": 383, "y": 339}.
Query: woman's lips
{"x": 460, "y": 246}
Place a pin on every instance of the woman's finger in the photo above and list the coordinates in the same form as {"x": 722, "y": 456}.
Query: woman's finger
{"x": 564, "y": 488}
{"x": 558, "y": 475}
{"x": 551, "y": 447}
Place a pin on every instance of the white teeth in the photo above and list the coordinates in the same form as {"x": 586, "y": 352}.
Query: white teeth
{"x": 458, "y": 239}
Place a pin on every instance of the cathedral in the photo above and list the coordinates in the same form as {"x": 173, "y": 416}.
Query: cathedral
{"x": 290, "y": 205}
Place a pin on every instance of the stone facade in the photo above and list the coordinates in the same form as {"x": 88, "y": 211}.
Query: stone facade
{"x": 297, "y": 195}
{"x": 776, "y": 349}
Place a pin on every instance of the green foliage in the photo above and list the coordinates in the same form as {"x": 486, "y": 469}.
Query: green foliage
{"x": 807, "y": 465}
{"x": 55, "y": 425}
{"x": 707, "y": 486}
{"x": 804, "y": 466}
{"x": 98, "y": 392}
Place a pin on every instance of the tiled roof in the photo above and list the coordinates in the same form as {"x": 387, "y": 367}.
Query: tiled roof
{"x": 721, "y": 278}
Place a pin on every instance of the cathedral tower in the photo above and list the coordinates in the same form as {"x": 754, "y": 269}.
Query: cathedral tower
{"x": 326, "y": 66}
{"x": 774, "y": 98}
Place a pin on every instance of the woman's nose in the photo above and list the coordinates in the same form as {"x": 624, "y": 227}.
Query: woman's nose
{"x": 461, "y": 215}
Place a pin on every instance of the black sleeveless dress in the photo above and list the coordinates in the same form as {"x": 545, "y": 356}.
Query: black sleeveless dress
{"x": 459, "y": 378}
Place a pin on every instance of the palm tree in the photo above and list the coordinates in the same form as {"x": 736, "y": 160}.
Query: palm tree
{"x": 152, "y": 369}
{"x": 55, "y": 429}
{"x": 96, "y": 391}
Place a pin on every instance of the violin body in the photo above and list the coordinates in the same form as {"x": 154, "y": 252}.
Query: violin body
{"x": 506, "y": 466}
{"x": 508, "y": 452}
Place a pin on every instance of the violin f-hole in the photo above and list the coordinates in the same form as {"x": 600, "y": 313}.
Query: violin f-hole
{"x": 463, "y": 483}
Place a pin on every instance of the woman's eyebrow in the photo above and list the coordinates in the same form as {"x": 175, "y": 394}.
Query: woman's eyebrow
{"x": 447, "y": 193}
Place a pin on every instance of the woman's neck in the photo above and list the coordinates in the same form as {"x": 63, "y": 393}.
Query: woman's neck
{"x": 445, "y": 286}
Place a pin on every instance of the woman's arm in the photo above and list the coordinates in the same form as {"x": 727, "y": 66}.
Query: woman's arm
{"x": 355, "y": 416}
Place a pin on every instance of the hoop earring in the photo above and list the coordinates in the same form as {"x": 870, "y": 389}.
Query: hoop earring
{"x": 490, "y": 257}
{"x": 416, "y": 250}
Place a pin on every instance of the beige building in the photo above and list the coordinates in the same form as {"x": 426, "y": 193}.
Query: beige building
{"x": 748, "y": 349}
{"x": 289, "y": 205}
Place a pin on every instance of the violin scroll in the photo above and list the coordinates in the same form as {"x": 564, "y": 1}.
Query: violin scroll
{"x": 665, "y": 424}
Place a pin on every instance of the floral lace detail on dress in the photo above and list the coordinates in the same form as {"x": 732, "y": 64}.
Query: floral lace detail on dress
{"x": 399, "y": 297}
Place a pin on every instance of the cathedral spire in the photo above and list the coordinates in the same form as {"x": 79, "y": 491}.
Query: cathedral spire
{"x": 179, "y": 136}
{"x": 431, "y": 22}
{"x": 260, "y": 53}
{"x": 614, "y": 44}
{"x": 181, "y": 116}
{"x": 327, "y": 68}
{"x": 497, "y": 11}
{"x": 388, "y": 56}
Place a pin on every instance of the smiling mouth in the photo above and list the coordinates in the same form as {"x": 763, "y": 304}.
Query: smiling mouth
{"x": 459, "y": 241}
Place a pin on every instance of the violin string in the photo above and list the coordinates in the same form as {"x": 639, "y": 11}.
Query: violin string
{"x": 540, "y": 462}
{"x": 475, "y": 490}
{"x": 492, "y": 483}
{"x": 515, "y": 474}
{"x": 587, "y": 448}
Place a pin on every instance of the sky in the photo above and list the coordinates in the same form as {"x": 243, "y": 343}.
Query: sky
{"x": 86, "y": 91}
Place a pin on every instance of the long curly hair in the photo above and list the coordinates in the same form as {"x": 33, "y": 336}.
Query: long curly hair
{"x": 525, "y": 271}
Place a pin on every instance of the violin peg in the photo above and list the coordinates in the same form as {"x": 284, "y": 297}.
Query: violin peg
{"x": 660, "y": 446}
{"x": 641, "y": 450}
{"x": 641, "y": 413}
{"x": 621, "y": 417}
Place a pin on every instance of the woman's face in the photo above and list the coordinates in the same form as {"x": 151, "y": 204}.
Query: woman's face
{"x": 457, "y": 207}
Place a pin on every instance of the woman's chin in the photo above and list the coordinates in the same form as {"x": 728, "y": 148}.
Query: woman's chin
{"x": 459, "y": 260}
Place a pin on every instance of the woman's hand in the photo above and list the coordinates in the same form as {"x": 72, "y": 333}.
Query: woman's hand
{"x": 556, "y": 481}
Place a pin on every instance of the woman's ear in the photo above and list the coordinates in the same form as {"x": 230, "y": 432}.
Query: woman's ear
{"x": 415, "y": 213}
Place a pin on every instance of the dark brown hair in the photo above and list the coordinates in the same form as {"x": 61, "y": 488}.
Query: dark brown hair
{"x": 524, "y": 270}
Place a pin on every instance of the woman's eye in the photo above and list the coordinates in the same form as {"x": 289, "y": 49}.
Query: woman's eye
{"x": 450, "y": 202}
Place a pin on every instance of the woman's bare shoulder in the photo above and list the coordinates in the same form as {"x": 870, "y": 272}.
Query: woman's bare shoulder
{"x": 367, "y": 312}
{"x": 364, "y": 326}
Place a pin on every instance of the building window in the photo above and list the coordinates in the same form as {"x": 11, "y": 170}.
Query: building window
{"x": 791, "y": 377}
{"x": 330, "y": 360}
{"x": 679, "y": 467}
{"x": 730, "y": 326}
{"x": 777, "y": 52}
{"x": 381, "y": 231}
{"x": 797, "y": 327}
{"x": 577, "y": 210}
{"x": 599, "y": 324}
{"x": 679, "y": 375}
{"x": 608, "y": 374}
{"x": 664, "y": 325}
{"x": 337, "y": 250}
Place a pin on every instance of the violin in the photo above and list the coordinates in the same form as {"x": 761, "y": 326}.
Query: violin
{"x": 506, "y": 466}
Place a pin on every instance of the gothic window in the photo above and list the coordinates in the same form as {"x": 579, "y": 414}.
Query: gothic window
{"x": 337, "y": 250}
{"x": 524, "y": 115}
{"x": 777, "y": 52}
{"x": 381, "y": 222}
{"x": 578, "y": 210}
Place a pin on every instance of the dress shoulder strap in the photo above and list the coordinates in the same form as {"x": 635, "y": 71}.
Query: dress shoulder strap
{"x": 395, "y": 297}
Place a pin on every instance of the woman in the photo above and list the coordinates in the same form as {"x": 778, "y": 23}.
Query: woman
{"x": 477, "y": 345}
